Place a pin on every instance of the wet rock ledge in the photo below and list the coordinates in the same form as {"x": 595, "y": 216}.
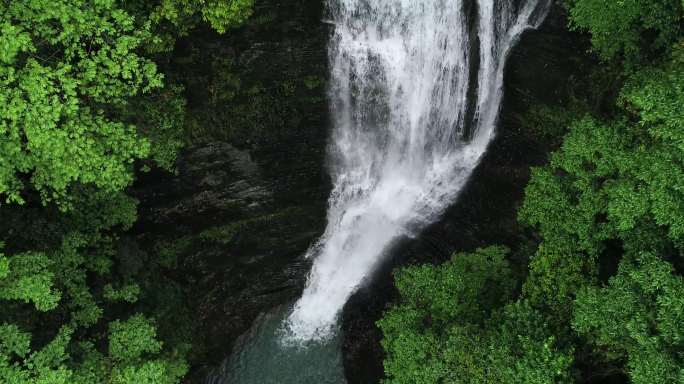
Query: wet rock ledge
{"x": 233, "y": 225}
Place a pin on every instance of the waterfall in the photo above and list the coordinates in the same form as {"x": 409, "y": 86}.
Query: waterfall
{"x": 415, "y": 89}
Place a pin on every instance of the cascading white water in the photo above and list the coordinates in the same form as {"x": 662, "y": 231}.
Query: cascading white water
{"x": 401, "y": 150}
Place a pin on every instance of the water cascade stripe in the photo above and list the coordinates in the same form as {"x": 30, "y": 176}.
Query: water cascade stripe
{"x": 416, "y": 88}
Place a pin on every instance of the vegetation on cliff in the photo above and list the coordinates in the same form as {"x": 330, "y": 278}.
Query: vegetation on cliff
{"x": 603, "y": 295}
{"x": 84, "y": 107}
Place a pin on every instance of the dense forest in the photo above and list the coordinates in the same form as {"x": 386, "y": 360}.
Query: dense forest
{"x": 85, "y": 107}
{"x": 96, "y": 98}
{"x": 601, "y": 296}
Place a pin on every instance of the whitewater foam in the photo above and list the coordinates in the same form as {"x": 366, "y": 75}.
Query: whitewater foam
{"x": 406, "y": 135}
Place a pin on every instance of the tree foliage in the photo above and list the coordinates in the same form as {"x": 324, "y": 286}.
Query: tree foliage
{"x": 69, "y": 70}
{"x": 615, "y": 190}
{"x": 452, "y": 325}
{"x": 134, "y": 357}
{"x": 220, "y": 14}
{"x": 611, "y": 198}
{"x": 63, "y": 66}
{"x": 83, "y": 106}
{"x": 630, "y": 28}
{"x": 637, "y": 317}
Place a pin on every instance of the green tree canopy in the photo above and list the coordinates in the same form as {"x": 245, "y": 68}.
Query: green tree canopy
{"x": 452, "y": 325}
{"x": 620, "y": 179}
{"x": 83, "y": 101}
{"x": 612, "y": 197}
{"x": 220, "y": 14}
{"x": 65, "y": 65}
{"x": 632, "y": 28}
{"x": 638, "y": 317}
{"x": 69, "y": 70}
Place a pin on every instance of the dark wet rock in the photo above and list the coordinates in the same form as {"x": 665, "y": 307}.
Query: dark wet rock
{"x": 238, "y": 245}
{"x": 250, "y": 192}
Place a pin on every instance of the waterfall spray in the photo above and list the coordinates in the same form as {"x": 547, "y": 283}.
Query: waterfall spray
{"x": 416, "y": 88}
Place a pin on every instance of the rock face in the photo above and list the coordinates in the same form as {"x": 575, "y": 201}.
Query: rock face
{"x": 236, "y": 245}
{"x": 250, "y": 193}
{"x": 539, "y": 72}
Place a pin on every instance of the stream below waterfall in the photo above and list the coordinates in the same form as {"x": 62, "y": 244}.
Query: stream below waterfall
{"x": 415, "y": 92}
{"x": 260, "y": 357}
